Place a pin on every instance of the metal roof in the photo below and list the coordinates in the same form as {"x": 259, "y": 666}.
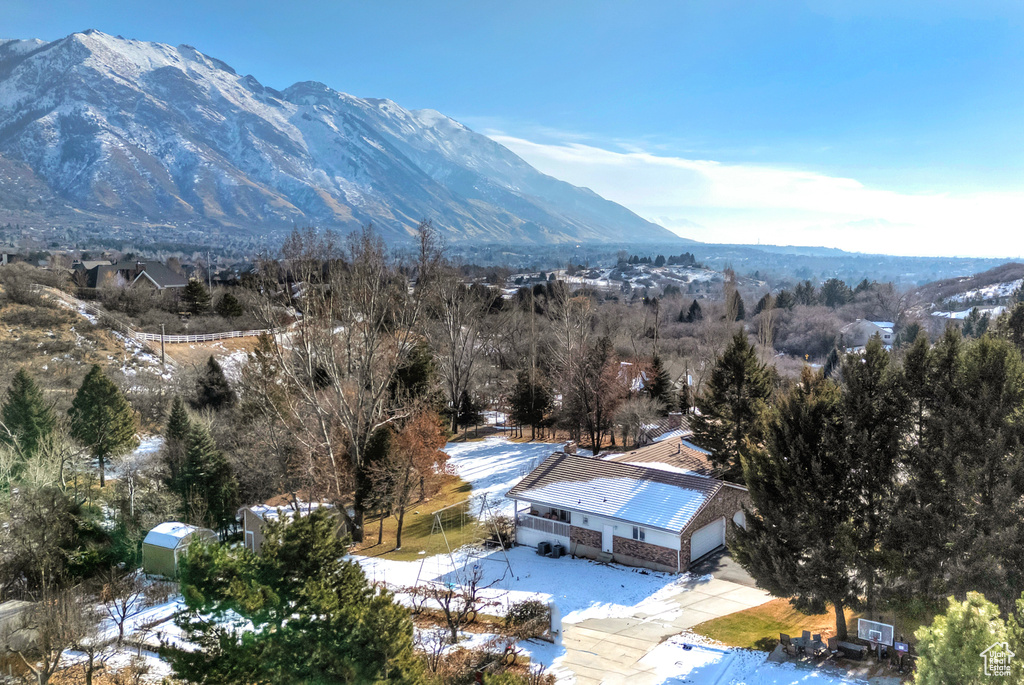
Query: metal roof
{"x": 635, "y": 494}
{"x": 171, "y": 534}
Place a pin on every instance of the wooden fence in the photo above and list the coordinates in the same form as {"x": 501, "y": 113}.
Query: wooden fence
{"x": 115, "y": 323}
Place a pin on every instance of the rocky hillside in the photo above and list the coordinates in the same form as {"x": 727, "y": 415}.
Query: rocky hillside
{"x": 149, "y": 133}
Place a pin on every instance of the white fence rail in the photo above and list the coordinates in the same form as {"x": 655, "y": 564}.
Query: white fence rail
{"x": 544, "y": 525}
{"x": 141, "y": 336}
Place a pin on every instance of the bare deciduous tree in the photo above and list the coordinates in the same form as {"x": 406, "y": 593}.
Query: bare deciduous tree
{"x": 340, "y": 361}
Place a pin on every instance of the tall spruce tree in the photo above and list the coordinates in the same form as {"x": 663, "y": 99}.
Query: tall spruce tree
{"x": 196, "y": 297}
{"x": 212, "y": 388}
{"x": 801, "y": 540}
{"x": 229, "y": 307}
{"x": 176, "y": 435}
{"x": 314, "y": 617}
{"x": 530, "y": 402}
{"x": 731, "y": 405}
{"x": 206, "y": 476}
{"x": 26, "y": 416}
{"x": 660, "y": 386}
{"x": 875, "y": 414}
{"x": 102, "y": 419}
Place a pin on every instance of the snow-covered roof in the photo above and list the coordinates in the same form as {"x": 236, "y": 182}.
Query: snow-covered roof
{"x": 170, "y": 534}
{"x": 635, "y": 494}
{"x": 884, "y": 324}
{"x": 269, "y": 512}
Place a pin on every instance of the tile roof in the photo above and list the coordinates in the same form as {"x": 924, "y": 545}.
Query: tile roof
{"x": 635, "y": 494}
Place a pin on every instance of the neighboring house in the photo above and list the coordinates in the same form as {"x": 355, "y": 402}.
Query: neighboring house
{"x": 675, "y": 424}
{"x": 674, "y": 454}
{"x": 855, "y": 336}
{"x": 164, "y": 545}
{"x": 633, "y": 376}
{"x": 638, "y": 515}
{"x": 255, "y": 517}
{"x": 150, "y": 274}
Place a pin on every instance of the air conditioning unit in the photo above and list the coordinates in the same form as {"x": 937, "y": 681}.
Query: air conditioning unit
{"x": 544, "y": 548}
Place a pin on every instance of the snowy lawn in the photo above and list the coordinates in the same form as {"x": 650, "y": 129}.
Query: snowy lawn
{"x": 493, "y": 465}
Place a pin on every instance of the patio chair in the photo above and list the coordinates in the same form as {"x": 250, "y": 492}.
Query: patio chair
{"x": 787, "y": 643}
{"x": 833, "y": 648}
{"x": 816, "y": 642}
{"x": 805, "y": 639}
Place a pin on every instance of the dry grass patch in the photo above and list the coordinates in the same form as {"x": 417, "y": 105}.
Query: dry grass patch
{"x": 759, "y": 627}
{"x": 417, "y": 540}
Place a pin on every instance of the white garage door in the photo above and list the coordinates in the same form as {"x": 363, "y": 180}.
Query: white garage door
{"x": 707, "y": 538}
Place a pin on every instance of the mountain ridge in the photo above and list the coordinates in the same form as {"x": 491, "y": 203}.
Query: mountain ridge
{"x": 152, "y": 133}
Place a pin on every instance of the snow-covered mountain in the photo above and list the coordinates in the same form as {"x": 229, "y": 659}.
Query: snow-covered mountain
{"x": 152, "y": 133}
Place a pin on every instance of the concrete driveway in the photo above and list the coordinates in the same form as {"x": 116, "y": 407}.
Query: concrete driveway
{"x": 611, "y": 650}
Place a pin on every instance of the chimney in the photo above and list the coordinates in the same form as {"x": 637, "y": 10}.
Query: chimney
{"x": 570, "y": 447}
{"x": 675, "y": 421}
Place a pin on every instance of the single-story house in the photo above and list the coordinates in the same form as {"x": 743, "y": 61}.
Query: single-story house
{"x": 255, "y": 517}
{"x": 634, "y": 514}
{"x": 152, "y": 274}
{"x": 164, "y": 545}
{"x": 855, "y": 336}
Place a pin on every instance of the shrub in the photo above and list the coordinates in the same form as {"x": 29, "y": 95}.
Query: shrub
{"x": 528, "y": 619}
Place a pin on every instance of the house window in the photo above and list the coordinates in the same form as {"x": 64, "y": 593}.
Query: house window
{"x": 639, "y": 533}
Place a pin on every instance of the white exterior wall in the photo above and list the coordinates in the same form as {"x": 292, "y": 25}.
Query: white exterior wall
{"x": 531, "y": 537}
{"x": 654, "y": 536}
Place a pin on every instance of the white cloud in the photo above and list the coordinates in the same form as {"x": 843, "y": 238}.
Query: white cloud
{"x": 716, "y": 202}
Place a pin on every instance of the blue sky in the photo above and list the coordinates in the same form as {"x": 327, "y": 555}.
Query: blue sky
{"x": 880, "y": 126}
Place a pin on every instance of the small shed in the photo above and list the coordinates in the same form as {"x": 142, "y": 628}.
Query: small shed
{"x": 165, "y": 544}
{"x": 255, "y": 517}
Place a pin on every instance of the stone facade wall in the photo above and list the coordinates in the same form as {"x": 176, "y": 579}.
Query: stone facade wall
{"x": 585, "y": 537}
{"x": 655, "y": 556}
{"x": 726, "y": 503}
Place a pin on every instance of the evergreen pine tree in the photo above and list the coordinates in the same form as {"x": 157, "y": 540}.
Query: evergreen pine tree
{"x": 314, "y": 616}
{"x": 229, "y": 307}
{"x": 176, "y": 435}
{"x": 212, "y": 388}
{"x": 102, "y": 419}
{"x": 694, "y": 314}
{"x": 469, "y": 410}
{"x": 530, "y": 403}
{"x": 660, "y": 386}
{"x": 876, "y": 416}
{"x": 763, "y": 303}
{"x": 732, "y": 403}
{"x": 785, "y": 300}
{"x": 26, "y": 416}
{"x": 206, "y": 475}
{"x": 799, "y": 540}
{"x": 196, "y": 297}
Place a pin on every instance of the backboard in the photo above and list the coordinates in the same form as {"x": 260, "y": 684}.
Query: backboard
{"x": 873, "y": 631}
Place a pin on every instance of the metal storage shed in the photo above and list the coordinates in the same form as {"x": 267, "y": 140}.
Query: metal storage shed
{"x": 165, "y": 544}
